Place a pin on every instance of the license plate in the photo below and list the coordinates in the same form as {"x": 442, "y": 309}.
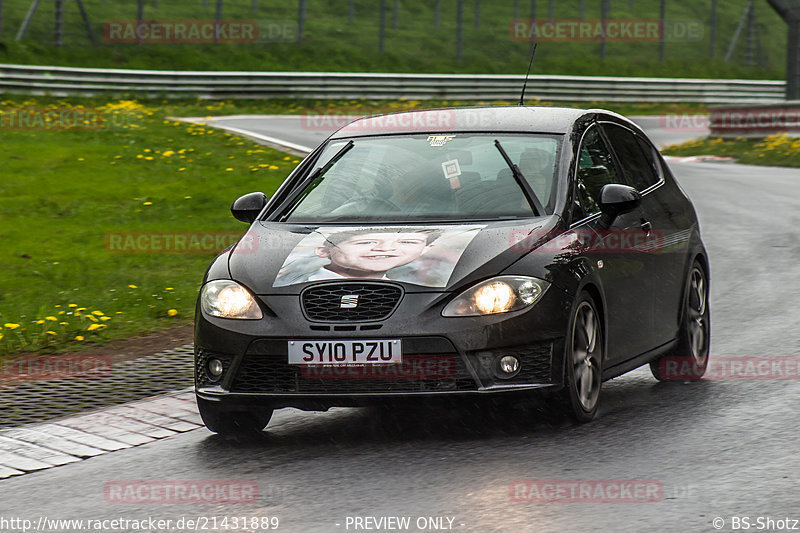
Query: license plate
{"x": 326, "y": 352}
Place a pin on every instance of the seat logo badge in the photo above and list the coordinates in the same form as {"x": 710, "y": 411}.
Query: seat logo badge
{"x": 349, "y": 301}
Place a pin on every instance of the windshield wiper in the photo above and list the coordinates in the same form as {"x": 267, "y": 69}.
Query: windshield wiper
{"x": 534, "y": 202}
{"x": 332, "y": 161}
{"x": 308, "y": 184}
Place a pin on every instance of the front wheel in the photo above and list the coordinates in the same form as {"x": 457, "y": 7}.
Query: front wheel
{"x": 583, "y": 354}
{"x": 232, "y": 423}
{"x": 689, "y": 360}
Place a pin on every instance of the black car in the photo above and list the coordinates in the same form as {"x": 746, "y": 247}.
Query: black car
{"x": 454, "y": 253}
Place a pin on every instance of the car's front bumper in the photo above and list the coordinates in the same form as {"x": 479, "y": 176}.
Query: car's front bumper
{"x": 445, "y": 357}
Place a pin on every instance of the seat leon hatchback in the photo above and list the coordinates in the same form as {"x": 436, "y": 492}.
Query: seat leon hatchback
{"x": 455, "y": 253}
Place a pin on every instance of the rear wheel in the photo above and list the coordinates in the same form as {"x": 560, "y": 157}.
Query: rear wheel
{"x": 689, "y": 359}
{"x": 584, "y": 362}
{"x": 232, "y": 423}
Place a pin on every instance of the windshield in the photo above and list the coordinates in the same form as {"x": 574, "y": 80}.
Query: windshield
{"x": 433, "y": 177}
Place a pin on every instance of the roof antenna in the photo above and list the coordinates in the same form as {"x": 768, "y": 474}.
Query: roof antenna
{"x": 525, "y": 84}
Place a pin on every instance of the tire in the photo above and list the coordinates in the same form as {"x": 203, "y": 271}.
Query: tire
{"x": 583, "y": 360}
{"x": 232, "y": 423}
{"x": 688, "y": 361}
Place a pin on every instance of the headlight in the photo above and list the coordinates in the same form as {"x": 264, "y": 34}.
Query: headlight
{"x": 227, "y": 299}
{"x": 497, "y": 295}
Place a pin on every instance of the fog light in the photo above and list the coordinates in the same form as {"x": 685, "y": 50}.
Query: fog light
{"x": 507, "y": 366}
{"x": 214, "y": 368}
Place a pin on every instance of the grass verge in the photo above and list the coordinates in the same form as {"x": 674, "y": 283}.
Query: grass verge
{"x": 776, "y": 150}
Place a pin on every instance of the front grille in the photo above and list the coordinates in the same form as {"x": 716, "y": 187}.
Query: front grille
{"x": 201, "y": 357}
{"x": 375, "y": 301}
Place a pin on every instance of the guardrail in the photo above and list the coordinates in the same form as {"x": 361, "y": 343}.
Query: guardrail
{"x": 65, "y": 81}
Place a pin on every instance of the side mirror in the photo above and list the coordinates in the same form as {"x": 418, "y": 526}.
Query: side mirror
{"x": 246, "y": 208}
{"x": 615, "y": 200}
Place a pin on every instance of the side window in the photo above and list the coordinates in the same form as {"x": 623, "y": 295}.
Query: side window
{"x": 652, "y": 156}
{"x": 595, "y": 169}
{"x": 638, "y": 168}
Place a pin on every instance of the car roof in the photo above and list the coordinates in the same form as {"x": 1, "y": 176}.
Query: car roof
{"x": 527, "y": 119}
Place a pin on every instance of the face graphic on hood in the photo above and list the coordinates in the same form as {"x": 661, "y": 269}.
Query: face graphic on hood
{"x": 425, "y": 255}
{"x": 369, "y": 254}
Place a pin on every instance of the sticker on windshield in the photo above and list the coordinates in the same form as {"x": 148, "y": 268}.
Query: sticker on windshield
{"x": 423, "y": 255}
{"x": 452, "y": 170}
{"x": 439, "y": 140}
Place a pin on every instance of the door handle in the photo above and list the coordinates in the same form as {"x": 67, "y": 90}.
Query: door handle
{"x": 646, "y": 226}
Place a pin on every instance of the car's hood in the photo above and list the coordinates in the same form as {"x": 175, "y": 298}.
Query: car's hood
{"x": 280, "y": 258}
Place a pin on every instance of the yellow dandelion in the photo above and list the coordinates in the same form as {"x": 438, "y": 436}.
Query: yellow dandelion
{"x": 104, "y": 318}
{"x": 72, "y": 305}
{"x": 63, "y": 323}
{"x": 93, "y": 327}
{"x": 168, "y": 153}
{"x": 187, "y": 197}
{"x": 120, "y": 313}
{"x": 40, "y": 322}
{"x": 172, "y": 312}
{"x": 51, "y": 318}
{"x": 78, "y": 310}
{"x": 169, "y": 289}
{"x": 56, "y": 263}
{"x": 98, "y": 313}
{"x": 51, "y": 332}
{"x": 10, "y": 325}
{"x": 133, "y": 286}
{"x": 228, "y": 170}
{"x": 78, "y": 337}
{"x": 90, "y": 317}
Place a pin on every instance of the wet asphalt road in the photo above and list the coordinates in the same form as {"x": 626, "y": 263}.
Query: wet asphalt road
{"x": 717, "y": 449}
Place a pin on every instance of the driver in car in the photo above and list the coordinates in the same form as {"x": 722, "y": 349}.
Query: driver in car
{"x": 537, "y": 167}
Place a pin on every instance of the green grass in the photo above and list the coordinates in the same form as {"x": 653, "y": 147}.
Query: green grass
{"x": 62, "y": 191}
{"x": 331, "y": 43}
{"x": 777, "y": 150}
